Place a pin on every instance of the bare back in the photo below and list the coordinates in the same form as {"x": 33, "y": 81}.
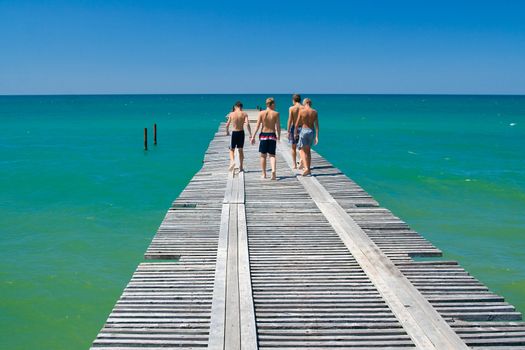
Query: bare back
{"x": 237, "y": 119}
{"x": 307, "y": 117}
{"x": 269, "y": 120}
{"x": 294, "y": 114}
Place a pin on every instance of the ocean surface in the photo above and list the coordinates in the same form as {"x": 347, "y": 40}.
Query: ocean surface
{"x": 80, "y": 200}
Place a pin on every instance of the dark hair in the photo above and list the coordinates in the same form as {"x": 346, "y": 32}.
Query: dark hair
{"x": 296, "y": 98}
{"x": 237, "y": 104}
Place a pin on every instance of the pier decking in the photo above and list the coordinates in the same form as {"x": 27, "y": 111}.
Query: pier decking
{"x": 297, "y": 263}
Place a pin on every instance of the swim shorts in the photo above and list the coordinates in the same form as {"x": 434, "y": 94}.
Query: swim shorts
{"x": 306, "y": 138}
{"x": 267, "y": 142}
{"x": 237, "y": 140}
{"x": 291, "y": 137}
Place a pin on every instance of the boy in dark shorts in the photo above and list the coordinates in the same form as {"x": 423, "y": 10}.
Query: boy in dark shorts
{"x": 237, "y": 119}
{"x": 270, "y": 134}
{"x": 293, "y": 112}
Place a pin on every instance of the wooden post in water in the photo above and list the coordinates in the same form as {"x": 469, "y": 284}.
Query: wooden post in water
{"x": 155, "y": 134}
{"x": 145, "y": 139}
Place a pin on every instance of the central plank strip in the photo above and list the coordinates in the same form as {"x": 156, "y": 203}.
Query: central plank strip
{"x": 232, "y": 324}
{"x": 247, "y": 313}
{"x": 421, "y": 321}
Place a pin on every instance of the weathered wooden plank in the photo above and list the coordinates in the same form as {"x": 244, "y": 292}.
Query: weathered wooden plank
{"x": 218, "y": 311}
{"x": 424, "y": 325}
{"x": 248, "y": 326}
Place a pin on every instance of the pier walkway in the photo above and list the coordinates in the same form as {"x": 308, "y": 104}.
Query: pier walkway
{"x": 298, "y": 263}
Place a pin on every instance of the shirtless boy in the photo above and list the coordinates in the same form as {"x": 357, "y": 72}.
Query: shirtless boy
{"x": 293, "y": 112}
{"x": 270, "y": 134}
{"x": 237, "y": 119}
{"x": 307, "y": 119}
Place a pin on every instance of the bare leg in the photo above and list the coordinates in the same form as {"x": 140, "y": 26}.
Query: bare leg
{"x": 294, "y": 156}
{"x": 307, "y": 158}
{"x": 263, "y": 165}
{"x": 274, "y": 165}
{"x": 302, "y": 157}
{"x": 241, "y": 158}
{"x": 232, "y": 159}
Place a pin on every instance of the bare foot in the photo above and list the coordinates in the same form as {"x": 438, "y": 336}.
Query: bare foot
{"x": 263, "y": 176}
{"x": 307, "y": 172}
{"x": 295, "y": 167}
{"x": 274, "y": 177}
{"x": 232, "y": 166}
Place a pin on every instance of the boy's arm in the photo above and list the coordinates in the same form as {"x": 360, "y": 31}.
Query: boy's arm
{"x": 247, "y": 121}
{"x": 289, "y": 124}
{"x": 316, "y": 124}
{"x": 228, "y": 124}
{"x": 257, "y": 126}
{"x": 297, "y": 123}
{"x": 278, "y": 126}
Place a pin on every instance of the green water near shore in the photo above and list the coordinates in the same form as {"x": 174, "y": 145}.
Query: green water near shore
{"x": 80, "y": 199}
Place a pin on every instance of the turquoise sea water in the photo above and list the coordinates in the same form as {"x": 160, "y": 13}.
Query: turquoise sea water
{"x": 80, "y": 200}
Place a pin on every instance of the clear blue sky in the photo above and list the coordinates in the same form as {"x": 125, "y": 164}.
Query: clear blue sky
{"x": 75, "y": 47}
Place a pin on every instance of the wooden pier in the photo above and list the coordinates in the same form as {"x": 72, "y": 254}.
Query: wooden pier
{"x": 298, "y": 263}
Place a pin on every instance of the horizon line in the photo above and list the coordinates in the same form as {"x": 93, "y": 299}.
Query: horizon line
{"x": 261, "y": 93}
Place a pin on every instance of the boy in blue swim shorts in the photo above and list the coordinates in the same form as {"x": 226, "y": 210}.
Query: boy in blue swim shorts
{"x": 308, "y": 120}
